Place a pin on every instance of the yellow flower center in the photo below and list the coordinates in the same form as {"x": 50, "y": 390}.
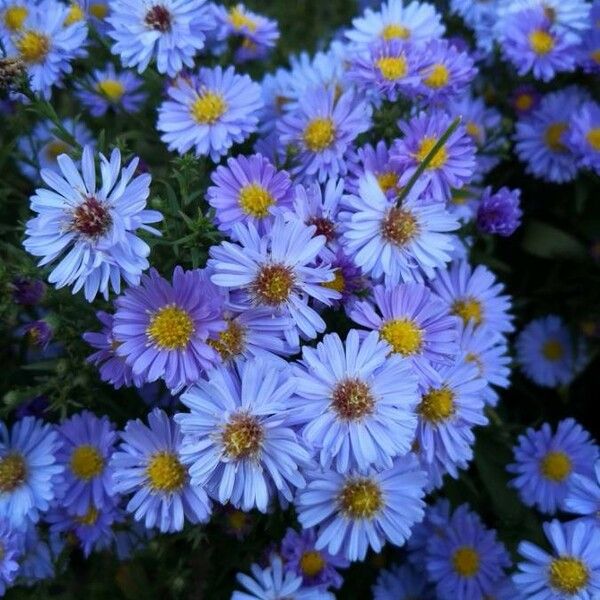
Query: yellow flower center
{"x": 237, "y": 520}
{"x": 395, "y": 31}
{"x": 440, "y": 157}
{"x": 111, "y": 88}
{"x": 556, "y": 466}
{"x": 230, "y": 342}
{"x": 74, "y": 15}
{"x": 403, "y": 336}
{"x": 255, "y": 200}
{"x": 553, "y": 135}
{"x": 553, "y": 350}
{"x": 165, "y": 472}
{"x": 465, "y": 561}
{"x": 86, "y": 462}
{"x": 13, "y": 472}
{"x": 312, "y": 563}
{"x": 541, "y": 42}
{"x": 33, "y": 46}
{"x": 239, "y": 19}
{"x": 319, "y": 134}
{"x": 392, "y": 67}
{"x": 387, "y": 180}
{"x": 170, "y": 328}
{"x": 399, "y": 226}
{"x": 593, "y": 138}
{"x": 98, "y": 10}
{"x": 351, "y": 399}
{"x": 595, "y": 56}
{"x": 524, "y": 102}
{"x": 208, "y": 108}
{"x": 54, "y": 149}
{"x": 474, "y": 131}
{"x": 338, "y": 283}
{"x": 438, "y": 77}
{"x": 360, "y": 498}
{"x": 89, "y": 518}
{"x": 437, "y": 405}
{"x": 468, "y": 309}
{"x": 273, "y": 284}
{"x": 14, "y": 17}
{"x": 242, "y": 437}
{"x": 568, "y": 575}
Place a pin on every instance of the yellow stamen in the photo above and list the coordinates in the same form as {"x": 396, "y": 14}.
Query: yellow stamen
{"x": 553, "y": 350}
{"x": 273, "y": 284}
{"x": 111, "y": 88}
{"x": 319, "y": 134}
{"x": 541, "y": 42}
{"x": 338, "y": 283}
{"x": 255, "y": 200}
{"x": 74, "y": 15}
{"x": 568, "y": 575}
{"x": 439, "y": 159}
{"x": 208, "y": 108}
{"x": 361, "y": 498}
{"x": 556, "y": 466}
{"x": 86, "y": 462}
{"x": 399, "y": 226}
{"x": 242, "y": 437}
{"x": 437, "y": 405}
{"x": 13, "y": 472}
{"x": 165, "y": 472}
{"x": 465, "y": 561}
{"x": 312, "y": 563}
{"x": 438, "y": 77}
{"x": 170, "y": 328}
{"x": 403, "y": 335}
{"x": 395, "y": 31}
{"x": 351, "y": 399}
{"x": 553, "y": 135}
{"x": 392, "y": 67}
{"x": 468, "y": 309}
{"x": 14, "y": 17}
{"x": 230, "y": 342}
{"x": 593, "y": 138}
{"x": 239, "y": 20}
{"x": 33, "y": 47}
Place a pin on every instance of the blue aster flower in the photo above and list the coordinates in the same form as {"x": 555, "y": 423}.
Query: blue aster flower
{"x": 275, "y": 582}
{"x": 29, "y": 470}
{"x": 499, "y": 212}
{"x": 548, "y": 353}
{"x": 170, "y": 32}
{"x": 584, "y": 136}
{"x": 149, "y": 466}
{"x": 11, "y": 543}
{"x": 13, "y": 14}
{"x": 467, "y": 560}
{"x": 376, "y": 160}
{"x": 394, "y": 242}
{"x": 238, "y": 443}
{"x": 276, "y": 272}
{"x": 359, "y": 510}
{"x": 46, "y": 44}
{"x": 583, "y": 496}
{"x": 163, "y": 328}
{"x": 454, "y": 164}
{"x": 106, "y": 89}
{"x": 400, "y": 582}
{"x": 358, "y": 407}
{"x": 415, "y": 21}
{"x": 87, "y": 443}
{"x": 317, "y": 568}
{"x": 91, "y": 231}
{"x": 437, "y": 516}
{"x": 571, "y": 570}
{"x": 589, "y": 50}
{"x": 547, "y": 461}
{"x": 475, "y": 295}
{"x": 37, "y": 561}
{"x": 249, "y": 190}
{"x": 541, "y": 137}
{"x": 209, "y": 112}
{"x": 319, "y": 132}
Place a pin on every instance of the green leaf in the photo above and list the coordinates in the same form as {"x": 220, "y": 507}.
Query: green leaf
{"x": 547, "y": 241}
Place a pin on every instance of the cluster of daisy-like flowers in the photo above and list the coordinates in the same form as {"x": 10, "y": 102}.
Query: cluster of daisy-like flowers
{"x": 326, "y": 212}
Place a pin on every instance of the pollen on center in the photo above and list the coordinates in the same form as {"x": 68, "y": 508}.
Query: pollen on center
{"x": 403, "y": 335}
{"x": 255, "y": 200}
{"x": 170, "y": 328}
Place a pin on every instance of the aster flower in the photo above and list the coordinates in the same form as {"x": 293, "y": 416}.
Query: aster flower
{"x": 13, "y": 14}
{"x": 274, "y": 272}
{"x": 401, "y": 582}
{"x": 112, "y": 368}
{"x": 589, "y": 51}
{"x": 467, "y": 561}
{"x": 570, "y": 570}
{"x": 169, "y": 31}
{"x": 27, "y": 292}
{"x": 37, "y": 334}
{"x": 36, "y": 561}
{"x": 86, "y": 445}
{"x": 541, "y": 137}
{"x": 249, "y": 190}
{"x": 275, "y": 582}
{"x": 390, "y": 68}
{"x": 584, "y": 136}
{"x": 356, "y": 511}
{"x": 473, "y": 13}
{"x": 474, "y": 295}
{"x": 321, "y": 130}
{"x": 316, "y": 567}
{"x": 29, "y": 470}
{"x": 238, "y": 442}
{"x": 546, "y": 462}
{"x": 445, "y": 71}
{"x": 500, "y": 212}
{"x": 453, "y": 165}
{"x": 209, "y": 112}
{"x": 10, "y": 553}
{"x": 347, "y": 277}
{"x": 163, "y": 328}
{"x": 437, "y": 516}
{"x": 395, "y": 242}
{"x": 41, "y": 148}
{"x": 358, "y": 404}
{"x": 105, "y": 89}
{"x": 412, "y": 320}
{"x": 148, "y": 464}
{"x": 375, "y": 160}
{"x": 414, "y": 21}
{"x": 92, "y": 231}
{"x": 583, "y": 496}
{"x": 45, "y": 44}
{"x": 525, "y": 99}
{"x": 548, "y": 353}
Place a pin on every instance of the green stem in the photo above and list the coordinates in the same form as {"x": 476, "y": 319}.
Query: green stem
{"x": 427, "y": 160}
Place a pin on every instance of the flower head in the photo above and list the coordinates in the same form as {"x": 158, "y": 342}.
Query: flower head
{"x": 583, "y": 495}
{"x": 584, "y": 136}
{"x": 500, "y": 212}
{"x": 10, "y": 553}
